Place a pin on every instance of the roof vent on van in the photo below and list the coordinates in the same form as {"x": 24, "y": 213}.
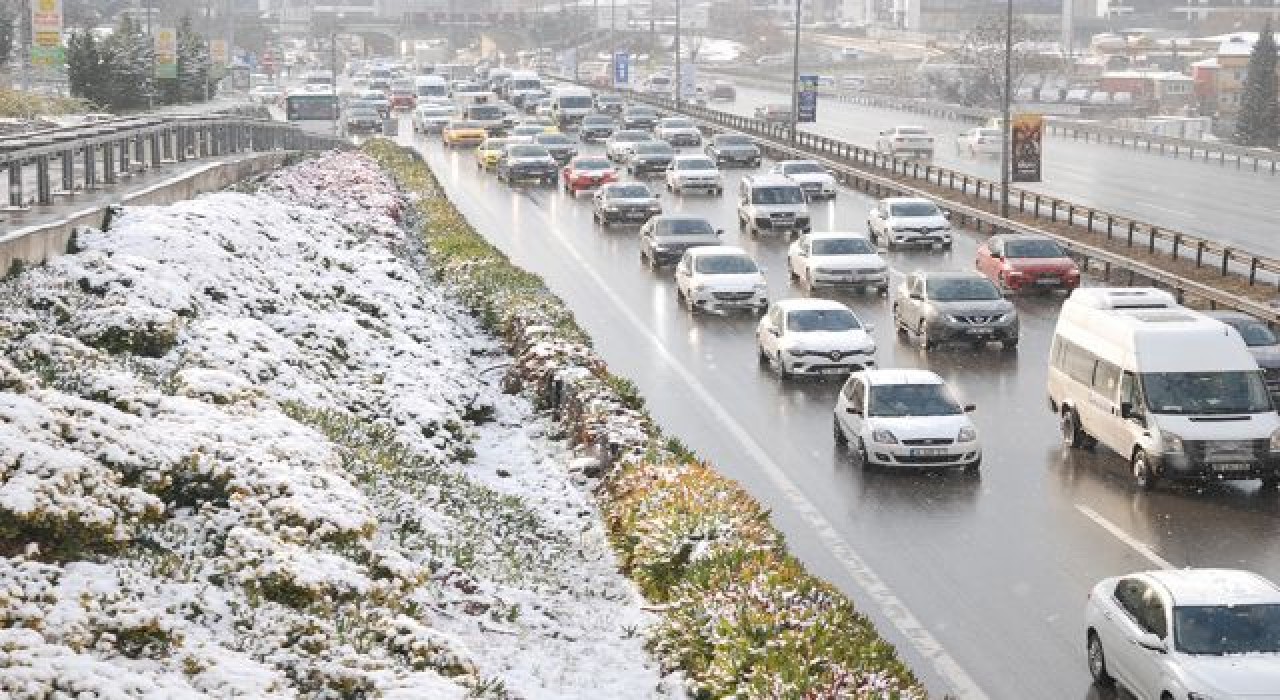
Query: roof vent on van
{"x": 1154, "y": 316}
{"x": 1121, "y": 298}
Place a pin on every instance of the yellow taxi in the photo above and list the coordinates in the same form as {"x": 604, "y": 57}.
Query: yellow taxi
{"x": 463, "y": 133}
{"x": 489, "y": 152}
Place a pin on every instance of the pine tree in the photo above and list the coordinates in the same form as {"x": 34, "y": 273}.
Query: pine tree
{"x": 193, "y": 63}
{"x": 8, "y": 23}
{"x": 127, "y": 66}
{"x": 1258, "y": 123}
{"x": 85, "y": 70}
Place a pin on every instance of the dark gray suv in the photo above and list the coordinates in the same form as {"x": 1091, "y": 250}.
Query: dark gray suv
{"x": 664, "y": 239}
{"x": 940, "y": 307}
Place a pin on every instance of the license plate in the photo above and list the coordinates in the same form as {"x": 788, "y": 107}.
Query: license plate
{"x": 635, "y": 215}
{"x": 980, "y": 331}
{"x": 833, "y": 370}
{"x": 1233, "y": 467}
{"x": 1048, "y": 281}
{"x": 928, "y": 451}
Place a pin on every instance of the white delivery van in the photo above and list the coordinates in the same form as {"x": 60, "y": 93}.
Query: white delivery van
{"x": 1175, "y": 392}
{"x": 431, "y": 88}
{"x": 522, "y": 85}
{"x": 570, "y": 103}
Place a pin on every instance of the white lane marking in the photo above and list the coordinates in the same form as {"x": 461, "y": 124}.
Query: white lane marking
{"x": 890, "y": 606}
{"x": 1140, "y": 547}
{"x": 1176, "y": 212}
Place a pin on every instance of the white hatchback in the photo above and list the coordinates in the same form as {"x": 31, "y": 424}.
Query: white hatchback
{"x": 814, "y": 337}
{"x": 905, "y": 418}
{"x": 720, "y": 278}
{"x": 846, "y": 260}
{"x": 1203, "y": 634}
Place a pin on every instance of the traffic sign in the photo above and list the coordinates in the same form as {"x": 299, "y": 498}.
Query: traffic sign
{"x": 621, "y": 68}
{"x": 807, "y": 100}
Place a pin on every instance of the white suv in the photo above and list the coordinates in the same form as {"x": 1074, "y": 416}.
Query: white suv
{"x": 694, "y": 172}
{"x": 845, "y": 260}
{"x": 678, "y": 131}
{"x": 815, "y": 180}
{"x": 720, "y": 278}
{"x": 899, "y": 221}
{"x": 905, "y": 418}
{"x": 770, "y": 203}
{"x": 814, "y": 337}
{"x": 905, "y": 141}
{"x": 1203, "y": 634}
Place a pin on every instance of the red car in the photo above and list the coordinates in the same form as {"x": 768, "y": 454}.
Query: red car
{"x": 587, "y": 172}
{"x": 1018, "y": 262}
{"x": 403, "y": 100}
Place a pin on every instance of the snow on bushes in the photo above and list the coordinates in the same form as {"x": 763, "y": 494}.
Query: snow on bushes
{"x": 244, "y": 450}
{"x": 741, "y": 617}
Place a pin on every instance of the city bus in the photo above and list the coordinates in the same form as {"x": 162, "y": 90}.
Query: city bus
{"x": 311, "y": 107}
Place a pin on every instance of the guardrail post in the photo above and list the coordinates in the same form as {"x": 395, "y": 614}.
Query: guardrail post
{"x": 1177, "y": 241}
{"x": 1089, "y": 222}
{"x": 90, "y": 167}
{"x": 1151, "y": 242}
{"x": 15, "y": 184}
{"x": 67, "y": 159}
{"x": 1226, "y": 260}
{"x": 157, "y": 152}
{"x": 44, "y": 193}
{"x": 1053, "y": 210}
{"x": 109, "y": 162}
{"x": 1253, "y": 270}
{"x": 1111, "y": 224}
{"x": 1132, "y": 226}
{"x": 124, "y": 157}
{"x": 1199, "y": 253}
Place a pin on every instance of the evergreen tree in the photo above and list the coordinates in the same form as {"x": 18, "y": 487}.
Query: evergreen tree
{"x": 8, "y": 24}
{"x": 193, "y": 63}
{"x": 85, "y": 70}
{"x": 1258, "y": 123}
{"x": 127, "y": 66}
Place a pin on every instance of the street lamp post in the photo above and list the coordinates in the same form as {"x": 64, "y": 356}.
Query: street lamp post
{"x": 333, "y": 67}
{"x": 1005, "y": 128}
{"x": 678, "y": 81}
{"x": 151, "y": 37}
{"x": 795, "y": 76}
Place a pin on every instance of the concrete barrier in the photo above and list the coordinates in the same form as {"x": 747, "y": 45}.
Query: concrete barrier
{"x": 34, "y": 244}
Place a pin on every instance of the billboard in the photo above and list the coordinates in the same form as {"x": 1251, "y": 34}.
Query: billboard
{"x": 218, "y": 54}
{"x": 166, "y": 48}
{"x": 807, "y": 100}
{"x": 1026, "y": 141}
{"x": 621, "y": 68}
{"x": 46, "y": 33}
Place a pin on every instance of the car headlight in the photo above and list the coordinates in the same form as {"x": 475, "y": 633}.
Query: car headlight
{"x": 883, "y": 437}
{"x": 951, "y": 318}
{"x": 967, "y": 435}
{"x": 1171, "y": 443}
{"x": 699, "y": 287}
{"x": 1275, "y": 441}
{"x": 610, "y": 207}
{"x": 760, "y": 286}
{"x": 1198, "y": 696}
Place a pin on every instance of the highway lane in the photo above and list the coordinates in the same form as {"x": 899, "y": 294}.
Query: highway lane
{"x": 996, "y": 569}
{"x": 1217, "y": 202}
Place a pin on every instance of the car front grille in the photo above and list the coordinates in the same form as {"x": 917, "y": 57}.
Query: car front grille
{"x": 927, "y": 459}
{"x": 928, "y": 441}
{"x": 977, "y": 320}
{"x": 1227, "y": 450}
{"x": 731, "y": 296}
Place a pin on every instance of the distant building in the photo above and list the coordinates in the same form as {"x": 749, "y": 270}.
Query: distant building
{"x": 1200, "y": 15}
{"x": 1219, "y": 80}
{"x": 1159, "y": 92}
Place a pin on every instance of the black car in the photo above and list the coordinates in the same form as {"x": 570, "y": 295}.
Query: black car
{"x": 558, "y": 145}
{"x": 650, "y": 157}
{"x": 363, "y": 120}
{"x": 630, "y": 202}
{"x": 596, "y": 127}
{"x": 733, "y": 148}
{"x": 664, "y": 239}
{"x": 527, "y": 161}
{"x": 723, "y": 91}
{"x": 640, "y": 118}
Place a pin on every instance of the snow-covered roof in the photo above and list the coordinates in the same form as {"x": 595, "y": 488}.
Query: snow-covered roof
{"x": 1240, "y": 44}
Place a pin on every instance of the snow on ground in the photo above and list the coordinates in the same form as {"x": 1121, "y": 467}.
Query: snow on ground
{"x": 246, "y": 449}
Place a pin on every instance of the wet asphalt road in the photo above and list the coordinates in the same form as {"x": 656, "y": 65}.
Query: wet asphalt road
{"x": 1206, "y": 199}
{"x": 980, "y": 582}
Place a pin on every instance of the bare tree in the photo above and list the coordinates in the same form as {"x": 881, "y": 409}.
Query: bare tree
{"x": 983, "y": 50}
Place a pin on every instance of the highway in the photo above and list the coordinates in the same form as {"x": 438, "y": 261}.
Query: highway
{"x": 980, "y": 582}
{"x": 1206, "y": 199}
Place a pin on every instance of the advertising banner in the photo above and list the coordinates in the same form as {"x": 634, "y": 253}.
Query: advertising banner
{"x": 621, "y": 69}
{"x": 166, "y": 48}
{"x": 218, "y": 54}
{"x": 807, "y": 100}
{"x": 1027, "y": 135}
{"x": 46, "y": 33}
{"x": 688, "y": 81}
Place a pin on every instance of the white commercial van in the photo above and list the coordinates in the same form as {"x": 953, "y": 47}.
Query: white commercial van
{"x": 570, "y": 103}
{"x": 1175, "y": 392}
{"x": 431, "y": 88}
{"x": 522, "y": 85}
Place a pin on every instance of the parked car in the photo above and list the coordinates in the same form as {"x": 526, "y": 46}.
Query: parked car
{"x": 618, "y": 146}
{"x": 526, "y": 161}
{"x": 596, "y": 127}
{"x": 587, "y": 172}
{"x": 463, "y": 133}
{"x": 490, "y": 151}
{"x": 720, "y": 278}
{"x": 1019, "y": 262}
{"x": 665, "y": 238}
{"x": 560, "y": 146}
{"x": 733, "y": 148}
{"x": 941, "y": 307}
{"x": 771, "y": 203}
{"x": 640, "y": 117}
{"x": 774, "y": 113}
{"x": 1263, "y": 343}
{"x": 649, "y": 157}
{"x": 678, "y": 131}
{"x": 979, "y": 141}
{"x": 624, "y": 202}
{"x": 694, "y": 172}
{"x": 897, "y": 221}
{"x": 844, "y": 260}
{"x": 908, "y": 141}
{"x": 813, "y": 337}
{"x": 362, "y": 120}
{"x": 1199, "y": 634}
{"x": 905, "y": 418}
{"x": 816, "y": 181}
{"x": 431, "y": 118}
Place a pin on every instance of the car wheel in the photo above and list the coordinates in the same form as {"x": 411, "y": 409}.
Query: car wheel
{"x": 883, "y": 291}
{"x": 922, "y": 330}
{"x": 761, "y": 356}
{"x": 1010, "y": 344}
{"x": 792, "y": 274}
{"x": 898, "y": 325}
{"x": 837, "y": 433}
{"x": 669, "y": 188}
{"x": 1069, "y": 424}
{"x": 1269, "y": 483}
{"x": 1144, "y": 477}
{"x": 719, "y": 191}
{"x": 781, "y": 368}
{"x": 946, "y": 246}
{"x": 974, "y": 467}
{"x": 1097, "y": 660}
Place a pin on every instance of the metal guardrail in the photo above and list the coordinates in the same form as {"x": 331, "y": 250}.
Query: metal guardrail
{"x": 110, "y": 149}
{"x": 856, "y": 167}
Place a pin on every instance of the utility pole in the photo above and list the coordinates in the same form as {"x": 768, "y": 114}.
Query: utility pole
{"x": 151, "y": 38}
{"x": 208, "y": 32}
{"x": 25, "y": 44}
{"x": 1005, "y": 127}
{"x": 679, "y": 84}
{"x": 795, "y": 76}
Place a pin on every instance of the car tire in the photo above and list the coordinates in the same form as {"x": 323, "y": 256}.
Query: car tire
{"x": 780, "y": 368}
{"x": 837, "y": 433}
{"x": 1073, "y": 436}
{"x": 1269, "y": 483}
{"x": 719, "y": 191}
{"x": 922, "y": 330}
{"x": 898, "y": 325}
{"x": 946, "y": 246}
{"x": 1010, "y": 344}
{"x": 883, "y": 291}
{"x": 1097, "y": 659}
{"x": 1144, "y": 477}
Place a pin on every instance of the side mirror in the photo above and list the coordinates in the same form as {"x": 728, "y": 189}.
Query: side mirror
{"x": 970, "y": 408}
{"x": 916, "y": 296}
{"x": 719, "y": 232}
{"x": 996, "y": 254}
{"x": 853, "y": 410}
{"x": 868, "y": 327}
{"x": 773, "y": 331}
{"x": 1151, "y": 642}
{"x": 946, "y": 215}
{"x": 1126, "y": 410}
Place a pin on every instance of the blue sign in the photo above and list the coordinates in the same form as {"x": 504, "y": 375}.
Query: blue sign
{"x": 807, "y": 100}
{"x": 621, "y": 68}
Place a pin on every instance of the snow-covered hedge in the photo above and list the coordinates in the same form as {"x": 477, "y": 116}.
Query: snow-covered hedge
{"x": 245, "y": 450}
{"x": 740, "y": 616}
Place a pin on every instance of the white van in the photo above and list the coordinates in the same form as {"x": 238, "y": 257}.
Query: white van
{"x": 570, "y": 103}
{"x": 431, "y": 88}
{"x": 1175, "y": 392}
{"x": 522, "y": 85}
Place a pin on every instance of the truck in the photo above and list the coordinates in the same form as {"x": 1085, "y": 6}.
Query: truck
{"x": 569, "y": 104}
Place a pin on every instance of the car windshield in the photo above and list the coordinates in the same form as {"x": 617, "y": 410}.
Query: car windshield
{"x": 677, "y": 124}
{"x": 526, "y": 130}
{"x": 1033, "y": 248}
{"x": 962, "y": 289}
{"x": 1227, "y": 629}
{"x": 811, "y": 320}
{"x": 526, "y": 151}
{"x": 485, "y": 112}
{"x": 593, "y": 164}
{"x": 597, "y": 121}
{"x": 364, "y": 112}
{"x": 843, "y": 246}
{"x": 435, "y": 110}
{"x": 695, "y": 164}
{"x": 802, "y": 168}
{"x": 1255, "y": 333}
{"x": 553, "y": 139}
{"x": 464, "y": 125}
{"x": 653, "y": 148}
{"x": 630, "y": 136}
{"x": 734, "y": 141}
{"x": 913, "y": 209}
{"x": 724, "y": 265}
{"x": 609, "y": 99}
{"x": 777, "y": 195}
{"x": 911, "y": 131}
{"x": 1200, "y": 393}
{"x": 642, "y": 112}
{"x": 629, "y": 192}
{"x": 897, "y": 400}
{"x": 683, "y": 227}
{"x": 494, "y": 144}
{"x": 576, "y": 102}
